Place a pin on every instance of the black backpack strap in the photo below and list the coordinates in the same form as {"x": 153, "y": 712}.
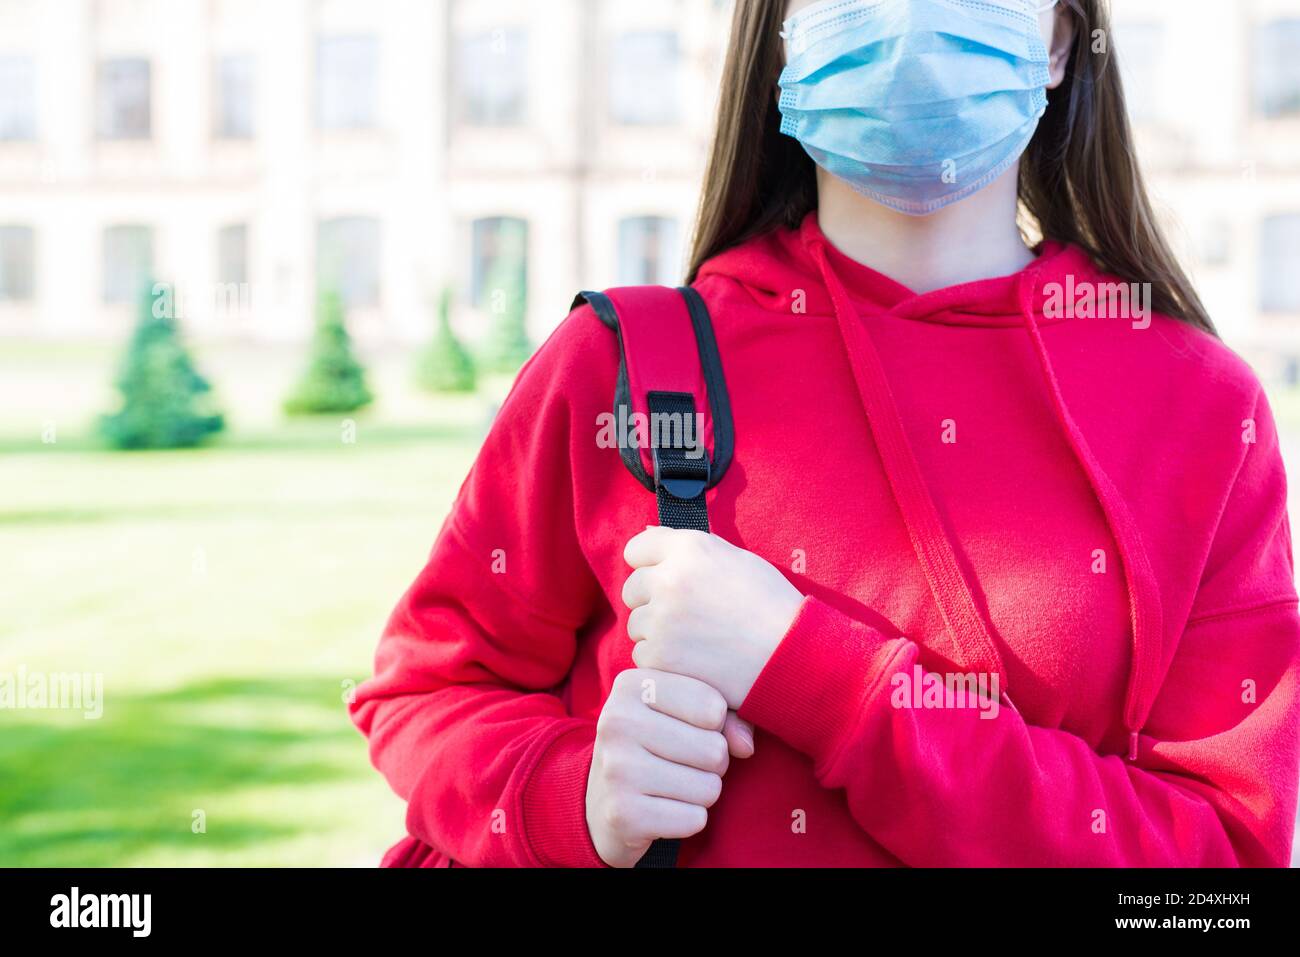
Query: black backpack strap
{"x": 680, "y": 481}
{"x": 677, "y": 376}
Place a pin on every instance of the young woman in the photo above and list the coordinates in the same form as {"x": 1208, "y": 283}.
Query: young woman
{"x": 957, "y": 453}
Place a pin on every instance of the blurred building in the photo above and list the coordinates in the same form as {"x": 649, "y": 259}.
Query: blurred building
{"x": 1214, "y": 89}
{"x": 249, "y": 151}
{"x": 252, "y": 151}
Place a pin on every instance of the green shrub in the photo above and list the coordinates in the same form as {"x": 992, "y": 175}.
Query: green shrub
{"x": 506, "y": 291}
{"x": 444, "y": 365}
{"x": 166, "y": 404}
{"x": 334, "y": 381}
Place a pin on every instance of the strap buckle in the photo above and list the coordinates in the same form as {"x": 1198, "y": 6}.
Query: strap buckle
{"x": 680, "y": 476}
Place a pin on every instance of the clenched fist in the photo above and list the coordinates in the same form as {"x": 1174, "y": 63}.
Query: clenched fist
{"x": 663, "y": 743}
{"x": 703, "y": 607}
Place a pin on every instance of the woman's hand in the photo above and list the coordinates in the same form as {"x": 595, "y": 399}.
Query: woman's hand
{"x": 704, "y": 608}
{"x": 663, "y": 743}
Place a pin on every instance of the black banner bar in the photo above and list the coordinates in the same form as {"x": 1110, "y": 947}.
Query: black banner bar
{"x": 212, "y": 907}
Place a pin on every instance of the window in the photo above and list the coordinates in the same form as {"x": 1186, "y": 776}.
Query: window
{"x": 17, "y": 263}
{"x": 1279, "y": 252}
{"x": 648, "y": 251}
{"x": 1140, "y": 49}
{"x": 347, "y": 83}
{"x": 232, "y": 255}
{"x": 347, "y": 259}
{"x": 1276, "y": 66}
{"x": 17, "y": 98}
{"x": 643, "y": 82}
{"x": 500, "y": 258}
{"x": 1215, "y": 243}
{"x": 128, "y": 262}
{"x": 492, "y": 78}
{"x": 234, "y": 97}
{"x": 123, "y": 99}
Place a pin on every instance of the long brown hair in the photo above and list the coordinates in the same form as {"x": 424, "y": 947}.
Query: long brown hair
{"x": 1079, "y": 178}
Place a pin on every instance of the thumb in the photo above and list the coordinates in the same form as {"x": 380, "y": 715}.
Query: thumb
{"x": 739, "y": 734}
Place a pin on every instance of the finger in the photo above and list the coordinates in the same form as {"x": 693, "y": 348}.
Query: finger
{"x": 739, "y": 735}
{"x": 674, "y": 740}
{"x": 650, "y": 818}
{"x": 685, "y": 698}
{"x": 655, "y": 777}
{"x": 638, "y": 623}
{"x": 637, "y": 588}
{"x": 649, "y": 547}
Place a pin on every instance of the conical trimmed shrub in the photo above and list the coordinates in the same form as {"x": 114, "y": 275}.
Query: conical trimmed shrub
{"x": 166, "y": 403}
{"x": 334, "y": 381}
{"x": 445, "y": 365}
{"x": 508, "y": 347}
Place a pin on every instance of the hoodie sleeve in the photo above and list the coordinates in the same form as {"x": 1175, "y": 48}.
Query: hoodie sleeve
{"x": 1215, "y": 782}
{"x": 461, "y": 714}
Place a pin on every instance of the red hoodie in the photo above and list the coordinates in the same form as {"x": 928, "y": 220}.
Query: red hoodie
{"x": 1091, "y": 509}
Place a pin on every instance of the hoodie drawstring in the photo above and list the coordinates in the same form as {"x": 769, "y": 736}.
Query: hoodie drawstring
{"x": 1146, "y": 615}
{"x": 952, "y": 591}
{"x": 948, "y": 584}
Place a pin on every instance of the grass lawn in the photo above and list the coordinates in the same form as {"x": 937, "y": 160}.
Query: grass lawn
{"x": 227, "y": 596}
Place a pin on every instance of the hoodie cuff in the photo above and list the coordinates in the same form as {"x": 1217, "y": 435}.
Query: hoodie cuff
{"x": 555, "y": 802}
{"x": 813, "y": 690}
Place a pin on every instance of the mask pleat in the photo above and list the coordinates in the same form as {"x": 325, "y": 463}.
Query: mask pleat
{"x": 915, "y": 103}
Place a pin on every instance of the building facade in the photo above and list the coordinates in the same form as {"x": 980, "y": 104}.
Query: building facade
{"x": 1214, "y": 91}
{"x": 252, "y": 152}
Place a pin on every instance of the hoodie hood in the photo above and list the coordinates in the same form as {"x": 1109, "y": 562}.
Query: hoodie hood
{"x": 789, "y": 269}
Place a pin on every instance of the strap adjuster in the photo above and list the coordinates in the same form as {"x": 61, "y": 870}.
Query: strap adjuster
{"x": 681, "y": 477}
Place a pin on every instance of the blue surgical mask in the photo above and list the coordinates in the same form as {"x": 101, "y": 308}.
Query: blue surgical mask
{"x": 915, "y": 103}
